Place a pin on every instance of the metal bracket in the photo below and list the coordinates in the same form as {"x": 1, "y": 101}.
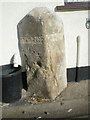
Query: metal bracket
{"x": 87, "y": 23}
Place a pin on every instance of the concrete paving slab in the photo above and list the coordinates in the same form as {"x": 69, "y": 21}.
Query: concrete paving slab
{"x": 72, "y": 102}
{"x": 69, "y": 109}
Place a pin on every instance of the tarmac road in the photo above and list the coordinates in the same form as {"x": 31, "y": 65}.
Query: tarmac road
{"x": 73, "y": 102}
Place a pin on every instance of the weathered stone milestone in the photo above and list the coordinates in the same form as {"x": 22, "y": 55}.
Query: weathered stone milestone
{"x": 42, "y": 51}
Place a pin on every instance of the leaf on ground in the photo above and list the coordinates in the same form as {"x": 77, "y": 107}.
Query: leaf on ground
{"x": 35, "y": 99}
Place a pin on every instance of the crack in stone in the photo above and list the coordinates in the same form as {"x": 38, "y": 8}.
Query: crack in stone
{"x": 55, "y": 80}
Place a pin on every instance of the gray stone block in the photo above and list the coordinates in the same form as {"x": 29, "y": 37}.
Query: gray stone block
{"x": 42, "y": 51}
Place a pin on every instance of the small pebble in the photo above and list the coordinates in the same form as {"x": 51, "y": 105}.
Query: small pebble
{"x": 69, "y": 110}
{"x": 39, "y": 117}
{"x": 6, "y": 104}
{"x": 39, "y": 17}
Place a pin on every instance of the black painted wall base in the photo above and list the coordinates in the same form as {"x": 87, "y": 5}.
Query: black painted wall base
{"x": 77, "y": 74}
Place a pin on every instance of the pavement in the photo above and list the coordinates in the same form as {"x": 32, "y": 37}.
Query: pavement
{"x": 73, "y": 102}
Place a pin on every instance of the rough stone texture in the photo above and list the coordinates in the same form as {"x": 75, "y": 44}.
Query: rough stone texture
{"x": 42, "y": 50}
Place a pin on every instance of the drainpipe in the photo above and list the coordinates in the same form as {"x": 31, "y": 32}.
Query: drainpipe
{"x": 77, "y": 59}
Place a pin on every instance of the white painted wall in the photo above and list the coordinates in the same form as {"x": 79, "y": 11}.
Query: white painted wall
{"x": 74, "y": 25}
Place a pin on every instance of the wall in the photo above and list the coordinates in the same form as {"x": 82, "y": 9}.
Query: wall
{"x": 74, "y": 25}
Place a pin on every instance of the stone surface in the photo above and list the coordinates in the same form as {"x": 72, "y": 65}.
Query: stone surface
{"x": 42, "y": 51}
{"x": 24, "y": 93}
